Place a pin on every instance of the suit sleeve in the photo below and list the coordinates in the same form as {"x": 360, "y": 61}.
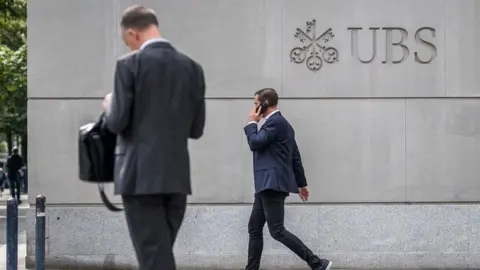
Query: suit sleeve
{"x": 258, "y": 140}
{"x": 118, "y": 114}
{"x": 198, "y": 124}
{"x": 298, "y": 167}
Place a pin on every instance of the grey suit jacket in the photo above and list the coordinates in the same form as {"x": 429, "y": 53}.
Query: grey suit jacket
{"x": 158, "y": 104}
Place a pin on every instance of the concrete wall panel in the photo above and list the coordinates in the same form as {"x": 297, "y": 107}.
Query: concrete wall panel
{"x": 353, "y": 150}
{"x": 463, "y": 34}
{"x": 221, "y": 161}
{"x": 443, "y": 150}
{"x": 71, "y": 47}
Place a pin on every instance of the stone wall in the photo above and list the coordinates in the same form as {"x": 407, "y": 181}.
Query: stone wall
{"x": 383, "y": 100}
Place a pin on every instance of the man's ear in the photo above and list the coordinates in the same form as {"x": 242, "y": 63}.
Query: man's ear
{"x": 132, "y": 33}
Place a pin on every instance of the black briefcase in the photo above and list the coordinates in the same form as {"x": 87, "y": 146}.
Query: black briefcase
{"x": 96, "y": 157}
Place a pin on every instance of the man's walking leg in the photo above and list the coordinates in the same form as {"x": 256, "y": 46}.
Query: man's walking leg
{"x": 255, "y": 233}
{"x": 175, "y": 205}
{"x": 149, "y": 230}
{"x": 12, "y": 183}
{"x": 18, "y": 189}
{"x": 15, "y": 188}
{"x": 274, "y": 205}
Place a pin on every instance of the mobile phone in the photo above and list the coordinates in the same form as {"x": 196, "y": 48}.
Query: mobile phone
{"x": 262, "y": 107}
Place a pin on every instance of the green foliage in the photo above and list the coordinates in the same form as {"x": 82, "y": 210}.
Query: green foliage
{"x": 13, "y": 89}
{"x": 13, "y": 23}
{"x": 13, "y": 67}
{"x": 3, "y": 147}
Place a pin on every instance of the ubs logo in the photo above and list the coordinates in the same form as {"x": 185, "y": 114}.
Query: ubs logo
{"x": 315, "y": 50}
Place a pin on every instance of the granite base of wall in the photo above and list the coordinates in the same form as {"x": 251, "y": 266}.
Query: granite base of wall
{"x": 215, "y": 237}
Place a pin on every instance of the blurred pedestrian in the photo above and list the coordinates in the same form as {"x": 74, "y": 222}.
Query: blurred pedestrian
{"x": 14, "y": 164}
{"x": 3, "y": 180}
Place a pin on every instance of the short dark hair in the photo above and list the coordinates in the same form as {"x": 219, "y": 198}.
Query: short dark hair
{"x": 15, "y": 150}
{"x": 269, "y": 95}
{"x": 138, "y": 17}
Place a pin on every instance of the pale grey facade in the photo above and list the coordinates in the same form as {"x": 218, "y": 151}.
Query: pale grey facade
{"x": 389, "y": 134}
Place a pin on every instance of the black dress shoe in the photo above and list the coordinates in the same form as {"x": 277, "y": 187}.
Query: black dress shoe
{"x": 326, "y": 265}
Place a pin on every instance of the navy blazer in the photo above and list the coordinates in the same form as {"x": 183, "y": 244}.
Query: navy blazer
{"x": 277, "y": 164}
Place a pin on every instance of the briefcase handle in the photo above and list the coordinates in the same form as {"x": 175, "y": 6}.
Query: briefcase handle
{"x": 101, "y": 187}
{"x": 106, "y": 201}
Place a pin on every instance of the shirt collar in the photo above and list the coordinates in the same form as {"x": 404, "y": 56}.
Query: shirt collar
{"x": 270, "y": 114}
{"x": 153, "y": 40}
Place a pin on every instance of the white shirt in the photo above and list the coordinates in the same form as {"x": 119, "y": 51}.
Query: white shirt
{"x": 153, "y": 40}
{"x": 263, "y": 120}
{"x": 270, "y": 114}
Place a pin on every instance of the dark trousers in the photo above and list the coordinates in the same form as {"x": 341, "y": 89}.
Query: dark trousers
{"x": 269, "y": 207}
{"x": 153, "y": 222}
{"x": 25, "y": 185}
{"x": 15, "y": 186}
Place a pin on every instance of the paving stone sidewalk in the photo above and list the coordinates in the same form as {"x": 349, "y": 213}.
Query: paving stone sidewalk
{"x": 22, "y": 252}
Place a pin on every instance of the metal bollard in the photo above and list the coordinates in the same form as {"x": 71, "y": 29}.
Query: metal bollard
{"x": 12, "y": 234}
{"x": 40, "y": 233}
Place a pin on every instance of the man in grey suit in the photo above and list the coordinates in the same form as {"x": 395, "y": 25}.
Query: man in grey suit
{"x": 158, "y": 103}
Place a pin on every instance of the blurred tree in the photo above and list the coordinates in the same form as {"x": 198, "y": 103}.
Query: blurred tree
{"x": 13, "y": 72}
{"x": 13, "y": 23}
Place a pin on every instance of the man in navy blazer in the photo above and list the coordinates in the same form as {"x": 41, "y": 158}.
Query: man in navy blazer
{"x": 278, "y": 171}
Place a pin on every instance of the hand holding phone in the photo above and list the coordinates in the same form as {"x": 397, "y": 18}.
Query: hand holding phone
{"x": 254, "y": 115}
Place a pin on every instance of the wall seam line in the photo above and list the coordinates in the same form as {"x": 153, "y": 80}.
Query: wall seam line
{"x": 405, "y": 150}
{"x": 446, "y": 48}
